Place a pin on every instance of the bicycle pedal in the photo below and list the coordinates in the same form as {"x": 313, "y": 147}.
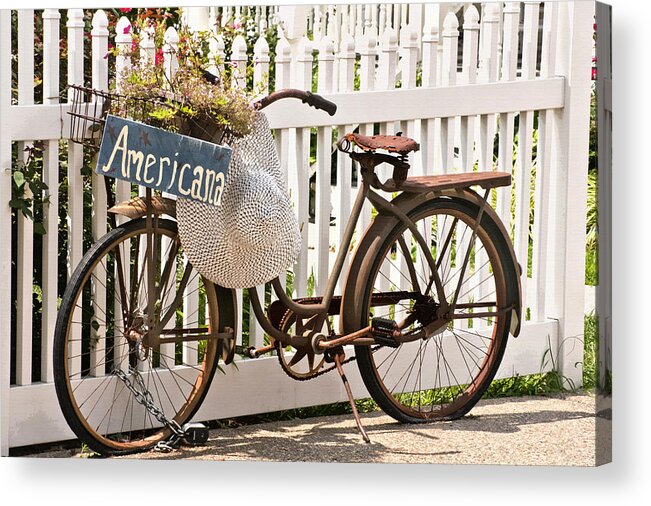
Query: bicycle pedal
{"x": 195, "y": 434}
{"x": 383, "y": 331}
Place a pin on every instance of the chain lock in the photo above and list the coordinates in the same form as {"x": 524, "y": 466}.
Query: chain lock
{"x": 192, "y": 434}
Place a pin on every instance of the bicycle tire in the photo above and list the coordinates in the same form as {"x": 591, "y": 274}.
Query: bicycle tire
{"x": 160, "y": 367}
{"x": 433, "y": 403}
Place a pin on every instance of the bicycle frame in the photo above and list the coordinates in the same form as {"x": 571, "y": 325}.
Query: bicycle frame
{"x": 321, "y": 310}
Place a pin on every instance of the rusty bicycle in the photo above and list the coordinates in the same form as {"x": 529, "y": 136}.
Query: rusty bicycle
{"x": 429, "y": 299}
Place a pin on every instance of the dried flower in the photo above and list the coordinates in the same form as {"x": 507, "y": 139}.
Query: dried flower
{"x": 174, "y": 103}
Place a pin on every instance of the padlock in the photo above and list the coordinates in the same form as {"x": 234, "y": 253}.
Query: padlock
{"x": 195, "y": 434}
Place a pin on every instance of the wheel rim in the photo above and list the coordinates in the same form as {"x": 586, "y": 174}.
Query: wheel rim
{"x": 443, "y": 375}
{"x": 100, "y": 340}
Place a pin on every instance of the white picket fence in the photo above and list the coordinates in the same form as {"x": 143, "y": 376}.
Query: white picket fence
{"x": 412, "y": 78}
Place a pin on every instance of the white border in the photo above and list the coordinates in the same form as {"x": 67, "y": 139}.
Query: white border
{"x": 35, "y": 481}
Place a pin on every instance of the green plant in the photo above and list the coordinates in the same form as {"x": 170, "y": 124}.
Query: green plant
{"x": 28, "y": 190}
{"x": 187, "y": 98}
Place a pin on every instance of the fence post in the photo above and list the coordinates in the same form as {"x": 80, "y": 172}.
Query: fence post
{"x": 5, "y": 228}
{"x": 570, "y": 177}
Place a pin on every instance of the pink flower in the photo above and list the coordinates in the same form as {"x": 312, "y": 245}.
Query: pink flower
{"x": 127, "y": 29}
{"x": 236, "y": 26}
{"x": 594, "y": 73}
{"x": 125, "y": 10}
{"x": 134, "y": 45}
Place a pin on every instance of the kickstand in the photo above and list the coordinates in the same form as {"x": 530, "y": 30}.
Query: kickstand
{"x": 338, "y": 356}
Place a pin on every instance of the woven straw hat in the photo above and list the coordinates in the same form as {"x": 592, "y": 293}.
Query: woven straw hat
{"x": 253, "y": 236}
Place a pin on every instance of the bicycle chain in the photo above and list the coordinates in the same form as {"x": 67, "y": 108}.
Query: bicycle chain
{"x": 145, "y": 398}
{"x": 307, "y": 378}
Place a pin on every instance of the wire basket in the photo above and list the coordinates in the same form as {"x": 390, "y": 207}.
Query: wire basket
{"x": 89, "y": 108}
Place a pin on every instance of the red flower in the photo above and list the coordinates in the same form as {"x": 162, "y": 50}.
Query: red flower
{"x": 125, "y": 10}
{"x": 159, "y": 57}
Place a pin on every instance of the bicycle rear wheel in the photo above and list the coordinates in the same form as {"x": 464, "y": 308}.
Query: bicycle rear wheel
{"x": 116, "y": 389}
{"x": 442, "y": 375}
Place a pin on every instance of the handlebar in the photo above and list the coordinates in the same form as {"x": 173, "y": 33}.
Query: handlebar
{"x": 312, "y": 99}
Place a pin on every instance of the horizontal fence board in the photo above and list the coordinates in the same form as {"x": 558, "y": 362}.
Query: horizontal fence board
{"x": 407, "y": 104}
{"x": 255, "y": 386}
{"x": 45, "y": 122}
{"x": 397, "y": 105}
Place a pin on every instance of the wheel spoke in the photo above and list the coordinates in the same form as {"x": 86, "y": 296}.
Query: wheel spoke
{"x": 112, "y": 417}
{"x": 441, "y": 375}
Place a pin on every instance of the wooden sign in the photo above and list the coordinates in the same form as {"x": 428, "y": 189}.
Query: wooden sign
{"x": 173, "y": 163}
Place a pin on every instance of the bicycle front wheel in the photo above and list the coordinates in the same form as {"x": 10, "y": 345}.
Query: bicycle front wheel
{"x": 118, "y": 389}
{"x": 441, "y": 374}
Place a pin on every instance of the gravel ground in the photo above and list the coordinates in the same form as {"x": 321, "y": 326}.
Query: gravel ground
{"x": 554, "y": 431}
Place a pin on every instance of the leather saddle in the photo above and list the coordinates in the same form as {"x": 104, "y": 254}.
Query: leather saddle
{"x": 392, "y": 143}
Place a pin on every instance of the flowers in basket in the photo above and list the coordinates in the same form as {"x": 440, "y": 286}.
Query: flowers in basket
{"x": 189, "y": 100}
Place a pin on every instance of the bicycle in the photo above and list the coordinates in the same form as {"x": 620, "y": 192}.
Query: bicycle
{"x": 431, "y": 295}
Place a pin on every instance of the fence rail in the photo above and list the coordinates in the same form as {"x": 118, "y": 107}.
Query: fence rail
{"x": 504, "y": 87}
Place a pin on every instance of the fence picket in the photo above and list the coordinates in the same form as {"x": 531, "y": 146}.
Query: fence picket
{"x": 75, "y": 26}
{"x": 170, "y": 60}
{"x": 346, "y": 62}
{"x": 323, "y": 169}
{"x": 239, "y": 59}
{"x": 467, "y": 134}
{"x": 524, "y": 163}
{"x": 507, "y": 120}
{"x": 261, "y": 61}
{"x": 367, "y": 64}
{"x": 543, "y": 170}
{"x": 49, "y": 283}
{"x": 488, "y": 73}
{"x": 123, "y": 40}
{"x": 99, "y": 35}
{"x": 448, "y": 78}
{"x": 25, "y": 226}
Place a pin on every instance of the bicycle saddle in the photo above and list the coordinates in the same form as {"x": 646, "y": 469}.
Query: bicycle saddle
{"x": 392, "y": 143}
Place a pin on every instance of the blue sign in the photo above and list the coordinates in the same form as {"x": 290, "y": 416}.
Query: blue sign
{"x": 173, "y": 163}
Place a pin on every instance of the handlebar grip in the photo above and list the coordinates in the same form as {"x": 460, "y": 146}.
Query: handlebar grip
{"x": 318, "y": 102}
